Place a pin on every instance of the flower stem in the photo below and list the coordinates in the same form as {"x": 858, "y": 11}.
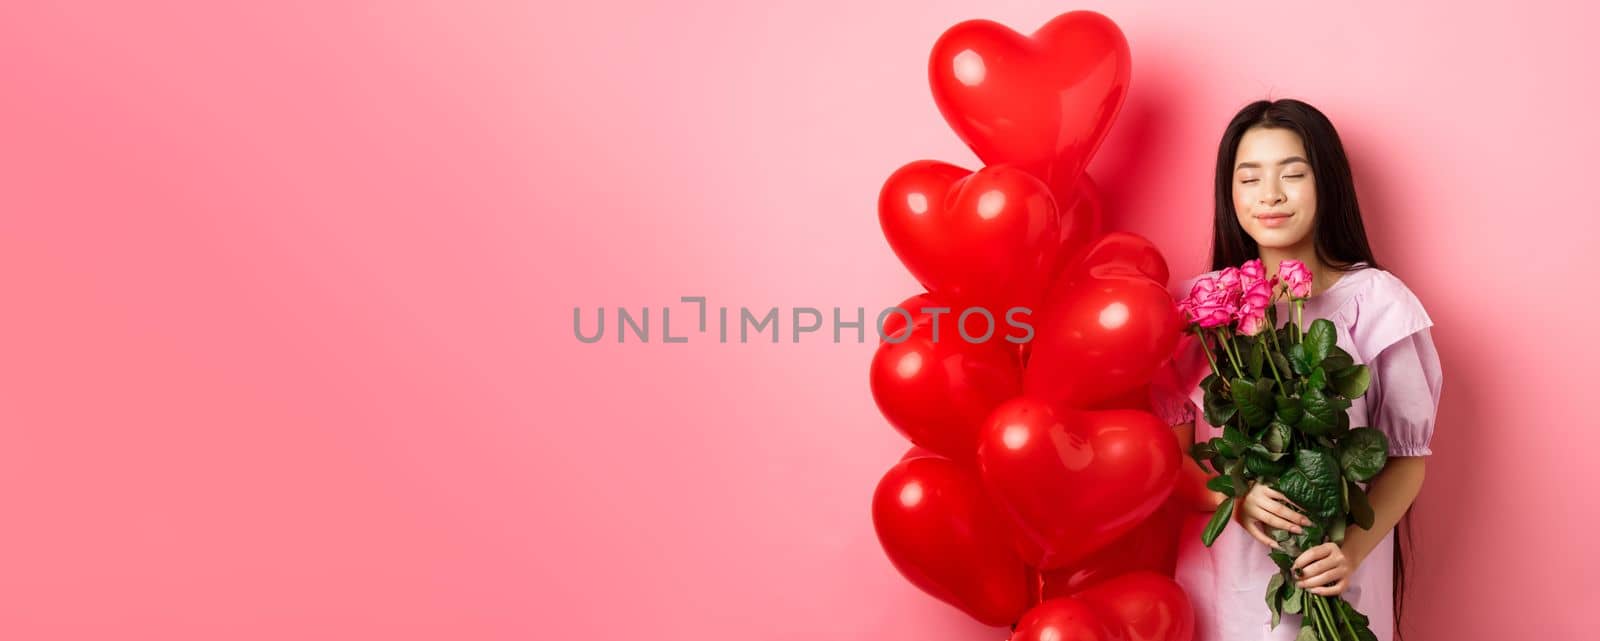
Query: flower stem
{"x": 1324, "y": 627}
{"x": 1298, "y": 337}
{"x": 1274, "y": 367}
{"x": 1328, "y": 616}
{"x": 1227, "y": 346}
{"x": 1346, "y": 621}
{"x": 1212, "y": 358}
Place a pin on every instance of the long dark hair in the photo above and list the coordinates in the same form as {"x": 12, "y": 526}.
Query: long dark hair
{"x": 1338, "y": 235}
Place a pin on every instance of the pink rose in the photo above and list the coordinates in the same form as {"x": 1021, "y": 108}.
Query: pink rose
{"x": 1212, "y": 313}
{"x": 1252, "y": 312}
{"x": 1229, "y": 278}
{"x": 1187, "y": 306}
{"x": 1257, "y": 295}
{"x": 1251, "y": 272}
{"x": 1252, "y": 323}
{"x": 1297, "y": 277}
{"x": 1209, "y": 304}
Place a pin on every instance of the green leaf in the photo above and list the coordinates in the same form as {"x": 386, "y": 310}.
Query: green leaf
{"x": 1289, "y": 410}
{"x": 1319, "y": 341}
{"x": 1310, "y": 538}
{"x": 1218, "y": 521}
{"x": 1221, "y": 445}
{"x": 1235, "y": 439}
{"x": 1313, "y": 483}
{"x": 1219, "y": 410}
{"x": 1295, "y": 599}
{"x": 1337, "y": 359}
{"x": 1283, "y": 364}
{"x": 1297, "y": 359}
{"x": 1352, "y": 382}
{"x": 1236, "y": 470}
{"x": 1265, "y": 464}
{"x": 1283, "y": 559}
{"x": 1275, "y": 597}
{"x": 1363, "y": 452}
{"x": 1278, "y": 437}
{"x": 1202, "y": 452}
{"x": 1336, "y": 530}
{"x": 1360, "y": 508}
{"x": 1352, "y": 614}
{"x": 1254, "y": 406}
{"x": 1254, "y": 357}
{"x": 1223, "y": 484}
{"x": 1292, "y": 549}
{"x": 1308, "y": 632}
{"x": 1318, "y": 379}
{"x": 1321, "y": 415}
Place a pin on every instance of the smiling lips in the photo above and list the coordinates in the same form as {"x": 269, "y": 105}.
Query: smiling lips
{"x": 1273, "y": 219}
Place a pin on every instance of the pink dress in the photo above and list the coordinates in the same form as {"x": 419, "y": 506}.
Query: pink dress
{"x": 1380, "y": 323}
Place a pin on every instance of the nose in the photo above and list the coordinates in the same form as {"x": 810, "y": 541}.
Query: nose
{"x": 1271, "y": 195}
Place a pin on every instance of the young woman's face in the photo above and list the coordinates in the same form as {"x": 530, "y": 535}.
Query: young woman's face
{"x": 1274, "y": 192}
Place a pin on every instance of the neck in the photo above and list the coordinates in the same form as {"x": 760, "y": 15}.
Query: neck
{"x": 1322, "y": 275}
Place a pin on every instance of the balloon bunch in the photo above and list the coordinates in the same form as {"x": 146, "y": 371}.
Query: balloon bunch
{"x": 1040, "y": 491}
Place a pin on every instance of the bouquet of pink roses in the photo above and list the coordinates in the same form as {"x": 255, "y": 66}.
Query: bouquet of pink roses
{"x": 1280, "y": 396}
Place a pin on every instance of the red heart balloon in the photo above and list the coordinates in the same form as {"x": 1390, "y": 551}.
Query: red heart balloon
{"x": 1066, "y": 619}
{"x": 1121, "y": 253}
{"x": 1145, "y": 605}
{"x": 1100, "y": 336}
{"x": 939, "y": 392}
{"x": 925, "y": 307}
{"x": 1137, "y": 398}
{"x": 1081, "y": 223}
{"x": 943, "y": 535}
{"x": 917, "y": 451}
{"x": 1151, "y": 546}
{"x": 1071, "y": 480}
{"x": 987, "y": 238}
{"x": 1043, "y": 103}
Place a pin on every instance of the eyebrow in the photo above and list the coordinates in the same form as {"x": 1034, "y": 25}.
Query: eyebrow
{"x": 1285, "y": 161}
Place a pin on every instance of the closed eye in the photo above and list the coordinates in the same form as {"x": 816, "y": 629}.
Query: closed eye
{"x": 1295, "y": 176}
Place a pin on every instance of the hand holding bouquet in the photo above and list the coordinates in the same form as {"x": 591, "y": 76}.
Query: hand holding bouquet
{"x": 1280, "y": 395}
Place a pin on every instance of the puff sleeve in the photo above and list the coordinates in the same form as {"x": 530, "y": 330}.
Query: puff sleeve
{"x": 1394, "y": 331}
{"x": 1407, "y": 380}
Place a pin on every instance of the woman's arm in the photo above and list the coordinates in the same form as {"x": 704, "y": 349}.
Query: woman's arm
{"x": 1327, "y": 567}
{"x": 1391, "y": 493}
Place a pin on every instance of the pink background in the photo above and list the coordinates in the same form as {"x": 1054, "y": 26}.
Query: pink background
{"x": 287, "y": 345}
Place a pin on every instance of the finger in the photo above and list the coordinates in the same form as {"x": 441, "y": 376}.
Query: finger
{"x": 1288, "y": 515}
{"x": 1254, "y": 528}
{"x": 1278, "y": 498}
{"x": 1313, "y": 555}
{"x": 1320, "y": 579}
{"x": 1276, "y": 515}
{"x": 1284, "y": 510}
{"x": 1278, "y": 522}
{"x": 1273, "y": 494}
{"x": 1330, "y": 590}
{"x": 1326, "y": 564}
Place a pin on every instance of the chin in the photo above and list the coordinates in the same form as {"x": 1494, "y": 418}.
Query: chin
{"x": 1277, "y": 239}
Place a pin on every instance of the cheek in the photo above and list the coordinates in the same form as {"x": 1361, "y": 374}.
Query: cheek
{"x": 1304, "y": 194}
